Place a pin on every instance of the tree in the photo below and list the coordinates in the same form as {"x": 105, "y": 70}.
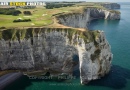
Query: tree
{"x": 16, "y": 12}
{"x": 9, "y": 11}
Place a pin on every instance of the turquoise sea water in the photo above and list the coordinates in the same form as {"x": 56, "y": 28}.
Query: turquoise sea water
{"x": 118, "y": 34}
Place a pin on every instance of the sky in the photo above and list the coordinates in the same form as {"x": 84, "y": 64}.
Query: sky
{"x": 71, "y": 0}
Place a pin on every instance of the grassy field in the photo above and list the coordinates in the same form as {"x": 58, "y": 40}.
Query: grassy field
{"x": 41, "y": 16}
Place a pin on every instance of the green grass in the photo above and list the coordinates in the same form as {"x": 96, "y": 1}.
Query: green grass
{"x": 39, "y": 20}
{"x": 37, "y": 17}
{"x": 20, "y": 34}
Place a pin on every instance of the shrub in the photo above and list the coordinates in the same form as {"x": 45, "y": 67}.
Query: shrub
{"x": 16, "y": 12}
{"x": 20, "y": 20}
{"x": 54, "y": 5}
{"x": 9, "y": 11}
{"x": 27, "y": 12}
{"x": 2, "y": 27}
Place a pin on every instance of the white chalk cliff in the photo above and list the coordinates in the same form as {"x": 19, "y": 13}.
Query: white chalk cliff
{"x": 111, "y": 5}
{"x": 53, "y": 49}
{"x": 82, "y": 20}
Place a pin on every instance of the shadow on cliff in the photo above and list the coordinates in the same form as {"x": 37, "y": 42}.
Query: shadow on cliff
{"x": 116, "y": 79}
{"x": 19, "y": 84}
{"x": 24, "y": 82}
{"x": 101, "y": 23}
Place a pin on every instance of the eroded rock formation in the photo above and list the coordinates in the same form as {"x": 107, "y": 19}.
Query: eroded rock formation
{"x": 53, "y": 49}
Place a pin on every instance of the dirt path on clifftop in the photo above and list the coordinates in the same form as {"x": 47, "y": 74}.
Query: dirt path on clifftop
{"x": 57, "y": 25}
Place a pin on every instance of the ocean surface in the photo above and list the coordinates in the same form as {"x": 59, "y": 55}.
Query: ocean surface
{"x": 118, "y": 34}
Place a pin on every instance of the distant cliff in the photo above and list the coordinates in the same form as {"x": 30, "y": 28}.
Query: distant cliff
{"x": 82, "y": 20}
{"x": 111, "y": 5}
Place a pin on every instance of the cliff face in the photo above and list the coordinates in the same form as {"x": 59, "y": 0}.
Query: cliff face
{"x": 53, "y": 50}
{"x": 105, "y": 14}
{"x": 82, "y": 20}
{"x": 111, "y": 5}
